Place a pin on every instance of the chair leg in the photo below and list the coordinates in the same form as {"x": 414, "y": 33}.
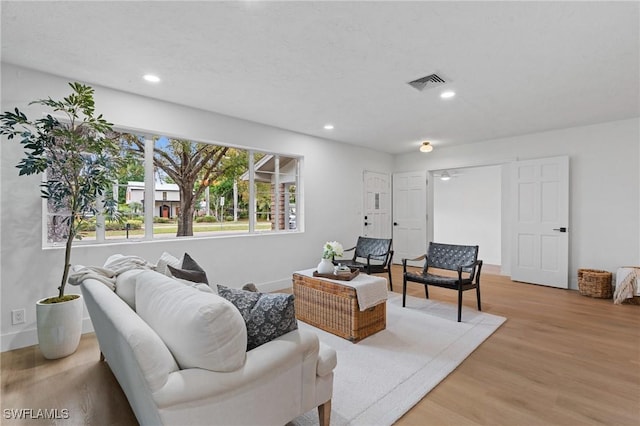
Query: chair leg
{"x": 404, "y": 291}
{"x": 390, "y": 281}
{"x": 426, "y": 291}
{"x": 478, "y": 295}
{"x": 459, "y": 305}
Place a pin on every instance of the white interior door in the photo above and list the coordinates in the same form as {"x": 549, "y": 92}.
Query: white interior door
{"x": 409, "y": 215}
{"x": 540, "y": 208}
{"x": 377, "y": 205}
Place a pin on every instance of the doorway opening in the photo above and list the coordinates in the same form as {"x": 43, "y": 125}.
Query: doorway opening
{"x": 467, "y": 209}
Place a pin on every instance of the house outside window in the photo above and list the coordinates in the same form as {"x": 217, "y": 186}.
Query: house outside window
{"x": 275, "y": 181}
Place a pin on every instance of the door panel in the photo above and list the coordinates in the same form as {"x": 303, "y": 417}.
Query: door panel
{"x": 409, "y": 215}
{"x": 540, "y": 200}
{"x": 377, "y": 205}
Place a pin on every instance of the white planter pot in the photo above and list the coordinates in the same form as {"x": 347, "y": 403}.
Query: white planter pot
{"x": 59, "y": 327}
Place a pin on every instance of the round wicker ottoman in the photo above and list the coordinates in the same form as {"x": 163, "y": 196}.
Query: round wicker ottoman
{"x": 595, "y": 283}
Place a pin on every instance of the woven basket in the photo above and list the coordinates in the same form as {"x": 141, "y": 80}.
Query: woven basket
{"x": 334, "y": 308}
{"x": 595, "y": 283}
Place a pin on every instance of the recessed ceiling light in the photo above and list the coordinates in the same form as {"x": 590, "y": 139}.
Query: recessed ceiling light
{"x": 151, "y": 78}
{"x": 328, "y": 126}
{"x": 448, "y": 94}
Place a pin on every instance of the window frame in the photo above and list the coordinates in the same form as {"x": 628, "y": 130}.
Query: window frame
{"x": 149, "y": 189}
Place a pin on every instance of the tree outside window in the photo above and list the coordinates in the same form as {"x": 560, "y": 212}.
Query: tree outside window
{"x": 198, "y": 189}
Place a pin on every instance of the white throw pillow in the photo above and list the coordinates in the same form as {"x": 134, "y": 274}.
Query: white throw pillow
{"x": 167, "y": 259}
{"x": 126, "y": 286}
{"x": 202, "y": 330}
{"x": 113, "y": 258}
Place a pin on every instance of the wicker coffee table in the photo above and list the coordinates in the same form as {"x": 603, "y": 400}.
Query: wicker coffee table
{"x": 332, "y": 305}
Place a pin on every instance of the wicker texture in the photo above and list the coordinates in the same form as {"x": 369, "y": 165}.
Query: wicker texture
{"x": 595, "y": 283}
{"x": 334, "y": 308}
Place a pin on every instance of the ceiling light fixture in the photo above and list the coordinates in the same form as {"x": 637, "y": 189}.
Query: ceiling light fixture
{"x": 151, "y": 78}
{"x": 328, "y": 126}
{"x": 426, "y": 147}
{"x": 448, "y": 94}
{"x": 445, "y": 176}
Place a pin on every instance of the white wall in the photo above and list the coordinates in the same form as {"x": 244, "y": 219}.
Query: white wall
{"x": 604, "y": 196}
{"x": 603, "y": 189}
{"x": 468, "y": 210}
{"x": 331, "y": 175}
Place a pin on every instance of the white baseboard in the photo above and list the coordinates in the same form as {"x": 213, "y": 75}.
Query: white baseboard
{"x": 274, "y": 285}
{"x": 29, "y": 337}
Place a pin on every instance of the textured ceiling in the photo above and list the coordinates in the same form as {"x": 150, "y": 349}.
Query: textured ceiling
{"x": 517, "y": 67}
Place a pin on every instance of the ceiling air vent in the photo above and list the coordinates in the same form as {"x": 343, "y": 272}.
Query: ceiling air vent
{"x": 427, "y": 82}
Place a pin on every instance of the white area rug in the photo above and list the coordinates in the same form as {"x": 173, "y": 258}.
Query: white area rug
{"x": 380, "y": 378}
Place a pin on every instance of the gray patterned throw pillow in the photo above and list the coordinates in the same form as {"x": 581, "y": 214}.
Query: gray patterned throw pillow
{"x": 267, "y": 315}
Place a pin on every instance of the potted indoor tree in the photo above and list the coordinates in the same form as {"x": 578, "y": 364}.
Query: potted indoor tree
{"x": 74, "y": 150}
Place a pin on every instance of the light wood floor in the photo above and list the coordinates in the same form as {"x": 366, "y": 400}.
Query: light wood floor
{"x": 560, "y": 359}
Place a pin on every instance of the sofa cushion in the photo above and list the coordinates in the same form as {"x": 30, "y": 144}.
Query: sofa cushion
{"x": 167, "y": 259}
{"x": 126, "y": 286}
{"x": 202, "y": 330}
{"x": 267, "y": 315}
{"x": 200, "y": 286}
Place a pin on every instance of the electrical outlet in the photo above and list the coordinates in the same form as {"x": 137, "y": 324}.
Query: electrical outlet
{"x": 17, "y": 316}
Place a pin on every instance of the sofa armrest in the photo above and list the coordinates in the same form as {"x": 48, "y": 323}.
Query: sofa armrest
{"x": 296, "y": 349}
{"x": 136, "y": 355}
{"x": 327, "y": 360}
{"x": 129, "y": 345}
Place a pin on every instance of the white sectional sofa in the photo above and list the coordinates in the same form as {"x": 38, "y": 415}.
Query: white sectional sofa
{"x": 180, "y": 357}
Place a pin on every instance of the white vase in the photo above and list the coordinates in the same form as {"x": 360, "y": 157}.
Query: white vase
{"x": 325, "y": 266}
{"x": 59, "y": 327}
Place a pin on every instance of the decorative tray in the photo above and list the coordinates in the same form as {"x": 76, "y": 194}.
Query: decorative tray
{"x": 342, "y": 276}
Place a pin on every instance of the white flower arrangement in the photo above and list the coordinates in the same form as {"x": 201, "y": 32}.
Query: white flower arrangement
{"x": 331, "y": 249}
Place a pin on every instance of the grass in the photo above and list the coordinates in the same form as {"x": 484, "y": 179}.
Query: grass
{"x": 171, "y": 228}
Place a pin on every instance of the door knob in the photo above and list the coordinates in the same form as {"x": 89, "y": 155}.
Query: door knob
{"x": 366, "y": 223}
{"x": 561, "y": 229}
{"x": 395, "y": 223}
